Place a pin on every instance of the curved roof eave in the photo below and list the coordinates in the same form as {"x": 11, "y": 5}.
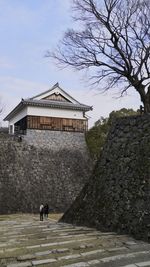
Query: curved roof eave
{"x": 14, "y": 111}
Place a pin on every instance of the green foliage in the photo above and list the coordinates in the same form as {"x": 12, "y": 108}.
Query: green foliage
{"x": 96, "y": 136}
{"x": 121, "y": 113}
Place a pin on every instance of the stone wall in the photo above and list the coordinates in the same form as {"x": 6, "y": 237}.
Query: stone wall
{"x": 117, "y": 197}
{"x": 31, "y": 174}
{"x": 56, "y": 140}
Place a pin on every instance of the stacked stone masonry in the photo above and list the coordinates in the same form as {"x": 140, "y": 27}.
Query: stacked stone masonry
{"x": 56, "y": 140}
{"x": 32, "y": 174}
{"x": 117, "y": 197}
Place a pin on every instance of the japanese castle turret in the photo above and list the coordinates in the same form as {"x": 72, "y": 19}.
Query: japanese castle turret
{"x": 47, "y": 115}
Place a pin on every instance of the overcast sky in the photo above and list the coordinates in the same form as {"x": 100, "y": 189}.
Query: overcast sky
{"x": 28, "y": 28}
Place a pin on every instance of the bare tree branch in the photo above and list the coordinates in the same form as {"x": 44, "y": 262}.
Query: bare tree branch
{"x": 113, "y": 43}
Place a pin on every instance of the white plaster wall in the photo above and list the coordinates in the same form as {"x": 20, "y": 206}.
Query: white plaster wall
{"x": 58, "y": 113}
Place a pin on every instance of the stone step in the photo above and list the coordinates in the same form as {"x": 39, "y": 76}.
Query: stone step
{"x": 88, "y": 262}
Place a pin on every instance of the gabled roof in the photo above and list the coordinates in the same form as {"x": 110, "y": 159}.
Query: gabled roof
{"x": 38, "y": 100}
{"x": 57, "y": 90}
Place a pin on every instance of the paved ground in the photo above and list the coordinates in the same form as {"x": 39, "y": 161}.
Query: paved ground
{"x": 25, "y": 242}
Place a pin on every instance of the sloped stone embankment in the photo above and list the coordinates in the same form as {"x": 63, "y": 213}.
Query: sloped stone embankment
{"x": 117, "y": 196}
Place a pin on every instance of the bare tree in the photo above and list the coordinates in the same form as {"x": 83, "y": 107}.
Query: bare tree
{"x": 113, "y": 42}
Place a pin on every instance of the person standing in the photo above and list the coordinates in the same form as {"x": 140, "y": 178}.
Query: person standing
{"x": 46, "y": 210}
{"x": 41, "y": 212}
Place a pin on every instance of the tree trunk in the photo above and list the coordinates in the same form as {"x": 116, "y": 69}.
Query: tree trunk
{"x": 145, "y": 97}
{"x": 146, "y": 102}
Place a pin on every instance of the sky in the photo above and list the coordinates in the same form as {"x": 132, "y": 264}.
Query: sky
{"x": 28, "y": 29}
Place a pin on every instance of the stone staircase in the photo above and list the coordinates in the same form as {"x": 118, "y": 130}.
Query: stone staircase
{"x": 25, "y": 242}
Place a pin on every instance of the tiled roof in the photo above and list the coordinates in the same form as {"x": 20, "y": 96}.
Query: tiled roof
{"x": 47, "y": 103}
{"x": 56, "y": 104}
